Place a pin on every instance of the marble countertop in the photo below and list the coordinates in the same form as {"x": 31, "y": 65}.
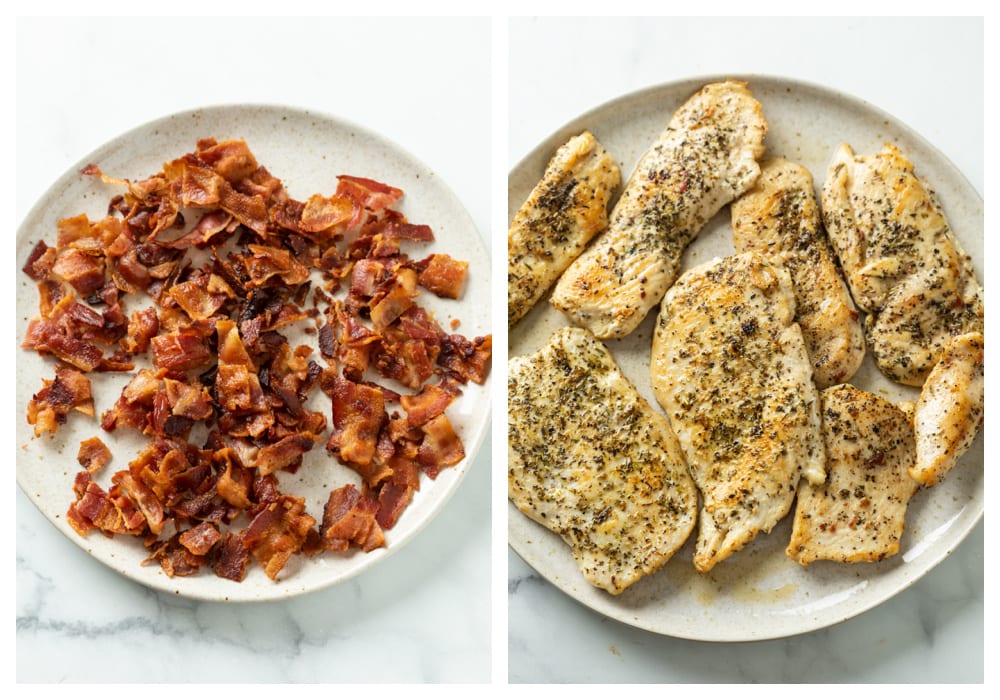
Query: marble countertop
{"x": 421, "y": 615}
{"x": 561, "y": 67}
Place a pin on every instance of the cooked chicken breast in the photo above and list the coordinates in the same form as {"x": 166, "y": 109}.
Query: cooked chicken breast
{"x": 779, "y": 218}
{"x": 902, "y": 261}
{"x": 730, "y": 369}
{"x": 706, "y": 157}
{"x": 567, "y": 208}
{"x": 858, "y": 514}
{"x": 949, "y": 412}
{"x": 591, "y": 460}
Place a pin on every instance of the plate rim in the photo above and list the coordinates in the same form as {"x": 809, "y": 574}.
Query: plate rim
{"x": 544, "y": 150}
{"x": 288, "y": 588}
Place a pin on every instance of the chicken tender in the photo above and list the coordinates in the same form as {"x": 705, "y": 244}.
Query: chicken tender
{"x": 705, "y": 158}
{"x": 591, "y": 460}
{"x": 729, "y": 366}
{"x": 858, "y": 514}
{"x": 779, "y": 218}
{"x": 903, "y": 263}
{"x": 950, "y": 409}
{"x": 567, "y": 208}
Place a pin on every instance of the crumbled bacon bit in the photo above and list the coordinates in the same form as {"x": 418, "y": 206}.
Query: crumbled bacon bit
{"x": 214, "y": 335}
{"x": 93, "y": 454}
{"x": 49, "y": 408}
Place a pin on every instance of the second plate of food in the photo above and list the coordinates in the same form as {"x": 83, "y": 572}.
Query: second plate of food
{"x": 759, "y": 592}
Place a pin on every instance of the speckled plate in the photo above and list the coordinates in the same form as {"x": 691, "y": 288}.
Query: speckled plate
{"x": 306, "y": 150}
{"x": 758, "y": 593}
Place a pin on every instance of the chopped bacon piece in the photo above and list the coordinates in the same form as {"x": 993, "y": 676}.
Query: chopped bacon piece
{"x": 47, "y": 336}
{"x": 176, "y": 560}
{"x": 39, "y": 262}
{"x": 49, "y": 408}
{"x": 349, "y": 519}
{"x": 467, "y": 360}
{"x": 358, "y": 415}
{"x": 370, "y": 194}
{"x": 428, "y": 404}
{"x": 441, "y": 446}
{"x": 71, "y": 230}
{"x": 235, "y": 482}
{"x": 392, "y": 501}
{"x": 187, "y": 400}
{"x": 142, "y": 326}
{"x": 338, "y": 213}
{"x": 284, "y": 453}
{"x": 93, "y": 455}
{"x": 180, "y": 350}
{"x": 444, "y": 276}
{"x": 277, "y": 532}
{"x": 145, "y": 500}
{"x": 95, "y": 509}
{"x": 200, "y": 539}
{"x": 231, "y": 159}
{"x": 231, "y": 558}
{"x": 83, "y": 271}
{"x": 398, "y": 298}
{"x": 267, "y": 262}
{"x": 196, "y": 301}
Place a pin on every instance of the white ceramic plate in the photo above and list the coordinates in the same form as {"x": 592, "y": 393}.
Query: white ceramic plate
{"x": 306, "y": 150}
{"x": 759, "y": 593}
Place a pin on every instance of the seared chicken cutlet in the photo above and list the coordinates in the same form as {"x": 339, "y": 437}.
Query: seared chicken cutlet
{"x": 950, "y": 409}
{"x": 730, "y": 369}
{"x": 706, "y": 157}
{"x": 858, "y": 514}
{"x": 779, "y": 218}
{"x": 591, "y": 460}
{"x": 902, "y": 261}
{"x": 567, "y": 208}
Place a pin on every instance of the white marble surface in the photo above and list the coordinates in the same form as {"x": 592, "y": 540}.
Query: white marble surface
{"x": 562, "y": 67}
{"x": 423, "y": 614}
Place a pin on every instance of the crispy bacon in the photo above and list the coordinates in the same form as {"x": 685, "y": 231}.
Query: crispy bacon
{"x": 349, "y": 519}
{"x": 214, "y": 335}
{"x": 336, "y": 213}
{"x": 277, "y": 532}
{"x": 180, "y": 350}
{"x": 93, "y": 455}
{"x": 467, "y": 360}
{"x": 200, "y": 539}
{"x": 231, "y": 558}
{"x": 40, "y": 261}
{"x": 443, "y": 275}
{"x": 283, "y": 454}
{"x": 370, "y": 194}
{"x": 358, "y": 416}
{"x": 151, "y": 507}
{"x": 50, "y": 407}
{"x": 96, "y": 509}
{"x": 142, "y": 326}
{"x": 441, "y": 446}
{"x": 425, "y": 406}
{"x": 392, "y": 501}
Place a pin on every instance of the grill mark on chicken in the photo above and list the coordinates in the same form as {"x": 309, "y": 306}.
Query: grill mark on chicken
{"x": 706, "y": 156}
